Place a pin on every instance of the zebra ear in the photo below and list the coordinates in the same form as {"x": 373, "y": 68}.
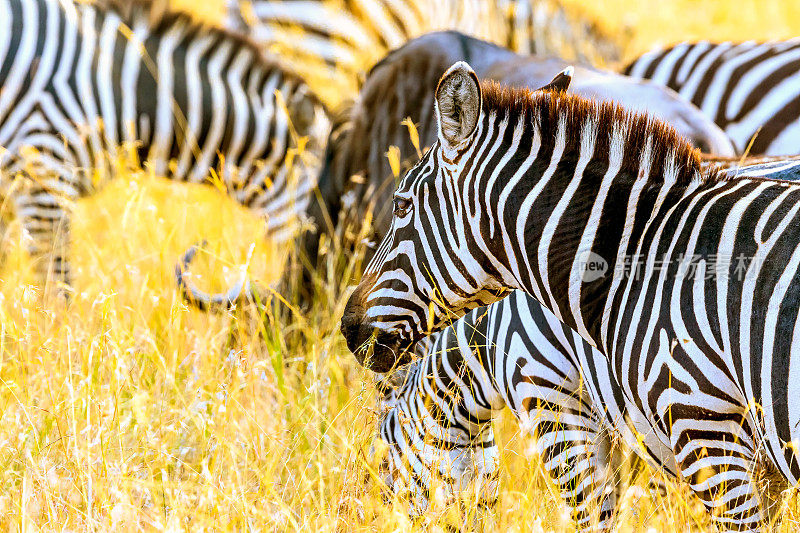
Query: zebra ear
{"x": 561, "y": 82}
{"x": 458, "y": 104}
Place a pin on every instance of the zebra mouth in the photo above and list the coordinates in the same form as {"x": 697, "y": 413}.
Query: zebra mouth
{"x": 377, "y": 350}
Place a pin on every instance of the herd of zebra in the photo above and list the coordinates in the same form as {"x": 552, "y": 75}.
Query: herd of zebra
{"x": 562, "y": 247}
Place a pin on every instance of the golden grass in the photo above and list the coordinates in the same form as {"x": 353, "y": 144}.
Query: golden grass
{"x": 664, "y": 22}
{"x": 127, "y": 411}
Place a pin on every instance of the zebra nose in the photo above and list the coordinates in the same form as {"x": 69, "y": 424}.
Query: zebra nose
{"x": 352, "y": 331}
{"x": 377, "y": 351}
{"x": 353, "y": 327}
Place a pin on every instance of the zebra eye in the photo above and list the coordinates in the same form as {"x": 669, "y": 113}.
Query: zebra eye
{"x": 401, "y": 206}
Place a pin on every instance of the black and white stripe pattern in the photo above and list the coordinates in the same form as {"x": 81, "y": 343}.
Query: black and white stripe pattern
{"x": 749, "y": 89}
{"x": 81, "y": 80}
{"x": 686, "y": 282}
{"x": 514, "y": 353}
{"x": 774, "y": 170}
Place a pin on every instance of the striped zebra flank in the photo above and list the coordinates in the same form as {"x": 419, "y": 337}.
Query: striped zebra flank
{"x": 684, "y": 279}
{"x": 87, "y": 83}
{"x": 749, "y": 89}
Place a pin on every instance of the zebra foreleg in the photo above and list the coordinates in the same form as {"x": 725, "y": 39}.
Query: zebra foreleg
{"x": 581, "y": 459}
{"x": 46, "y": 222}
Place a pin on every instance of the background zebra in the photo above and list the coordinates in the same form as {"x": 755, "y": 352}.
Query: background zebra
{"x": 749, "y": 89}
{"x": 706, "y": 358}
{"x": 357, "y": 176}
{"x": 79, "y": 80}
{"x": 351, "y": 36}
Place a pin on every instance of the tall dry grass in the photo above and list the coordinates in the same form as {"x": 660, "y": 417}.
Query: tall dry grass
{"x": 126, "y": 410}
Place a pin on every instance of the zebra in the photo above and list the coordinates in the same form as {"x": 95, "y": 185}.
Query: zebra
{"x": 350, "y": 36}
{"x": 437, "y": 411}
{"x": 748, "y": 89}
{"x": 356, "y": 176}
{"x": 437, "y": 415}
{"x": 682, "y": 278}
{"x": 80, "y": 80}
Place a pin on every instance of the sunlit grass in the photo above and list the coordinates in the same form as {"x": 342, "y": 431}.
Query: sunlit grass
{"x": 656, "y": 22}
{"x": 126, "y": 410}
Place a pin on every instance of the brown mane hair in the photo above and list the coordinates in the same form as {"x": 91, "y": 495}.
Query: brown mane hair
{"x": 548, "y": 108}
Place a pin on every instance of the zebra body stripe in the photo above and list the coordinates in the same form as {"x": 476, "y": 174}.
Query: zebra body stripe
{"x": 749, "y": 89}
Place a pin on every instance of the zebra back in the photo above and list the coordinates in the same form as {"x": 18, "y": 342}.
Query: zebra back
{"x": 748, "y": 89}
{"x": 347, "y": 38}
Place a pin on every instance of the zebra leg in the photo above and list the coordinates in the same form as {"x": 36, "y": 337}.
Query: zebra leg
{"x": 46, "y": 223}
{"x": 579, "y": 455}
{"x": 716, "y": 454}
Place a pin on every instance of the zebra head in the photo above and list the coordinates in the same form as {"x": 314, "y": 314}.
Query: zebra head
{"x": 431, "y": 266}
{"x": 425, "y": 453}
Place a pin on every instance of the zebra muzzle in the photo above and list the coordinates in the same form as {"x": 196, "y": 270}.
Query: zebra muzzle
{"x": 376, "y": 350}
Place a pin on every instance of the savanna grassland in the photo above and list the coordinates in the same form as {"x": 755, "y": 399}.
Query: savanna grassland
{"x": 127, "y": 410}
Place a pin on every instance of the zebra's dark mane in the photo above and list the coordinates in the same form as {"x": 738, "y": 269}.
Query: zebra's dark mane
{"x": 547, "y": 109}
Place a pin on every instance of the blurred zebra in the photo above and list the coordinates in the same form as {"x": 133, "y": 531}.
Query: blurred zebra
{"x": 687, "y": 281}
{"x": 350, "y": 36}
{"x": 749, "y": 89}
{"x": 79, "y": 80}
